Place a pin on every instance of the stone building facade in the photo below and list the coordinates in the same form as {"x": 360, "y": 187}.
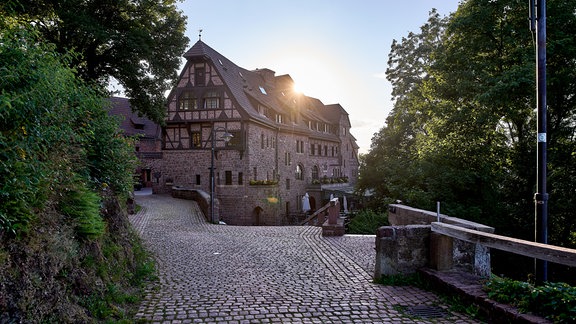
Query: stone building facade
{"x": 284, "y": 144}
{"x": 148, "y": 145}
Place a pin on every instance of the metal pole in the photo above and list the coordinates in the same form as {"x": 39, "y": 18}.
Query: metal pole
{"x": 212, "y": 178}
{"x": 541, "y": 196}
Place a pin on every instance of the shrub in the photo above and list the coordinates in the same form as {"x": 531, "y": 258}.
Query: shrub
{"x": 555, "y": 301}
{"x": 367, "y": 222}
{"x": 53, "y": 127}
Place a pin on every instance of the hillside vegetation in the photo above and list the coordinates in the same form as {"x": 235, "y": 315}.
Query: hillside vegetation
{"x": 67, "y": 253}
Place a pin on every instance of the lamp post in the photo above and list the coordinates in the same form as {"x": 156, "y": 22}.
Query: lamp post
{"x": 226, "y": 137}
{"x": 538, "y": 25}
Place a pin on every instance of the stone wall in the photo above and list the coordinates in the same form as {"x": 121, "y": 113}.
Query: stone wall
{"x": 401, "y": 249}
{"x": 408, "y": 244}
{"x": 199, "y": 196}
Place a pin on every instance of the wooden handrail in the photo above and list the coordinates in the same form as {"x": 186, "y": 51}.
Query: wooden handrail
{"x": 315, "y": 214}
{"x": 531, "y": 249}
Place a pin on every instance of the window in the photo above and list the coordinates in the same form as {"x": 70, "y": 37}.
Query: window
{"x": 287, "y": 184}
{"x": 325, "y": 150}
{"x": 228, "y": 178}
{"x": 240, "y": 178}
{"x": 312, "y": 149}
{"x": 287, "y": 158}
{"x": 187, "y": 101}
{"x": 237, "y": 139}
{"x": 255, "y": 171}
{"x": 315, "y": 172}
{"x": 299, "y": 172}
{"x": 262, "y": 90}
{"x": 299, "y": 146}
{"x": 197, "y": 179}
{"x": 211, "y": 100}
{"x": 262, "y": 141}
{"x": 199, "y": 76}
{"x": 196, "y": 140}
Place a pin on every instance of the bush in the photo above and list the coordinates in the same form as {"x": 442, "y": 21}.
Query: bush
{"x": 555, "y": 301}
{"x": 65, "y": 240}
{"x": 53, "y": 127}
{"x": 367, "y": 222}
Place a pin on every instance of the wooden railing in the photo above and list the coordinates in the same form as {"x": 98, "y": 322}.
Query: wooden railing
{"x": 539, "y": 251}
{"x": 318, "y": 217}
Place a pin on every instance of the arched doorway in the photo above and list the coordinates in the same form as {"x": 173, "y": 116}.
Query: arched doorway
{"x": 312, "y": 203}
{"x": 256, "y": 215}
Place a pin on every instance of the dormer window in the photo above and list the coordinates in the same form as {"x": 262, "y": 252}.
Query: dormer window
{"x": 187, "y": 101}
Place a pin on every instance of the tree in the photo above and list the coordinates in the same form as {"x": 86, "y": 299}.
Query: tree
{"x": 138, "y": 43}
{"x": 392, "y": 167}
{"x": 462, "y": 130}
{"x": 55, "y": 133}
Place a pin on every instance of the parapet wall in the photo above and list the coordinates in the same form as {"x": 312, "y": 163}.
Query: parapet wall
{"x": 401, "y": 249}
{"x": 199, "y": 196}
{"x": 408, "y": 244}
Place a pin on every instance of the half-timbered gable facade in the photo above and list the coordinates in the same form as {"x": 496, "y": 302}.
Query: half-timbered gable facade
{"x": 284, "y": 144}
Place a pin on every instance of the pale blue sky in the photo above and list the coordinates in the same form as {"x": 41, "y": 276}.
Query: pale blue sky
{"x": 335, "y": 50}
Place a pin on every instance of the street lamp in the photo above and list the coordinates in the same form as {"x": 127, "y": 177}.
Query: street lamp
{"x": 538, "y": 25}
{"x": 226, "y": 137}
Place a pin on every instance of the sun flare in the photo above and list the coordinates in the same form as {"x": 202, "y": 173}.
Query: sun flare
{"x": 297, "y": 89}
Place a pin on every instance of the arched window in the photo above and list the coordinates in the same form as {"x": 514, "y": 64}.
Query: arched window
{"x": 187, "y": 101}
{"x": 315, "y": 172}
{"x": 299, "y": 172}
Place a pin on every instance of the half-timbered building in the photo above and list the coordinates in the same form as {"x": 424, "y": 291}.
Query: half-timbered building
{"x": 283, "y": 144}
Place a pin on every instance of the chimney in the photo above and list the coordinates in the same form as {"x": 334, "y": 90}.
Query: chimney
{"x": 267, "y": 74}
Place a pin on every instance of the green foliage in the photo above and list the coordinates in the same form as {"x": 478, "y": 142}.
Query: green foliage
{"x": 463, "y": 124}
{"x": 138, "y": 43}
{"x": 555, "y": 301}
{"x": 83, "y": 206}
{"x": 63, "y": 163}
{"x": 367, "y": 222}
{"x": 507, "y": 291}
{"x": 53, "y": 128}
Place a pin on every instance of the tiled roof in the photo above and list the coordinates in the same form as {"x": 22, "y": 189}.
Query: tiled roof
{"x": 130, "y": 122}
{"x": 251, "y": 88}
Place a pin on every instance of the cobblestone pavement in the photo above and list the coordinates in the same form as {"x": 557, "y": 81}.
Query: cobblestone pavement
{"x": 232, "y": 274}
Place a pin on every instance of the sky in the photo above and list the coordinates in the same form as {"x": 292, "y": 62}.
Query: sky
{"x": 334, "y": 50}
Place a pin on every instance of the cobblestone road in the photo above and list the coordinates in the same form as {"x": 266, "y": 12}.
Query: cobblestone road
{"x": 231, "y": 274}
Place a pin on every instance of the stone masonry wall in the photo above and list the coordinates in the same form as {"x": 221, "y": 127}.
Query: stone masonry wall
{"x": 403, "y": 219}
{"x": 401, "y": 249}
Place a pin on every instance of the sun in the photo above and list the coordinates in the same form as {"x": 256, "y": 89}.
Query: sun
{"x": 297, "y": 89}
